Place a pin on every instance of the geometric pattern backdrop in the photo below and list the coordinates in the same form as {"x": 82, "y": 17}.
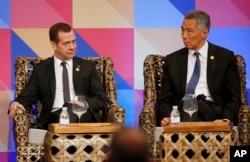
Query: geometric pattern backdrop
{"x": 125, "y": 30}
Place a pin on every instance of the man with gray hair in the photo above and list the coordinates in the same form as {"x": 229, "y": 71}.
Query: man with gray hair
{"x": 201, "y": 68}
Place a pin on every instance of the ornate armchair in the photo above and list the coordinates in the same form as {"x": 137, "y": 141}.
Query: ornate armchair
{"x": 152, "y": 95}
{"x": 22, "y": 121}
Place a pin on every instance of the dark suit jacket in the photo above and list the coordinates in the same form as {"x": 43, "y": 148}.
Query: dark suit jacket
{"x": 222, "y": 79}
{"x": 41, "y": 86}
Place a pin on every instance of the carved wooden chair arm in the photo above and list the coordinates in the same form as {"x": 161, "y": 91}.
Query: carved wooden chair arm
{"x": 116, "y": 114}
{"x": 21, "y": 126}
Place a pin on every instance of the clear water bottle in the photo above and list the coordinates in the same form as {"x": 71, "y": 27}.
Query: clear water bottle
{"x": 175, "y": 116}
{"x": 64, "y": 118}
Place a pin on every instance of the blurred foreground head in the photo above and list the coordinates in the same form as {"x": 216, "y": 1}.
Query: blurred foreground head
{"x": 129, "y": 145}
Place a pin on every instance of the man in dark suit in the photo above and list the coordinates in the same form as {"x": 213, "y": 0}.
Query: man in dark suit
{"x": 46, "y": 82}
{"x": 218, "y": 87}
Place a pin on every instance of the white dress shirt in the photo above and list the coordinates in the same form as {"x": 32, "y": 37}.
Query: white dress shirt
{"x": 59, "y": 101}
{"x": 202, "y": 87}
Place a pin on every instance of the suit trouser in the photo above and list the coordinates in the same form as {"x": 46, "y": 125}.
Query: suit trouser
{"x": 86, "y": 117}
{"x": 207, "y": 111}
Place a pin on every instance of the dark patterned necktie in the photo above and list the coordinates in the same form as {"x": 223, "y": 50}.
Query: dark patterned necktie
{"x": 65, "y": 76}
{"x": 195, "y": 76}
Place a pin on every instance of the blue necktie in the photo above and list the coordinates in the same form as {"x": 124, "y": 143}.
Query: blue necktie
{"x": 195, "y": 76}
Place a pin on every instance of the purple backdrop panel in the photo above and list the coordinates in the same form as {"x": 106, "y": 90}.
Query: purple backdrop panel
{"x": 226, "y": 13}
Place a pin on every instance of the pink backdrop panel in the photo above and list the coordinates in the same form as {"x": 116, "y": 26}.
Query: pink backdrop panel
{"x": 5, "y": 63}
{"x": 116, "y": 43}
{"x": 40, "y": 13}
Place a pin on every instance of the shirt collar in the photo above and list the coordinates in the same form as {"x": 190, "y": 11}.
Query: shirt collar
{"x": 203, "y": 51}
{"x": 58, "y": 62}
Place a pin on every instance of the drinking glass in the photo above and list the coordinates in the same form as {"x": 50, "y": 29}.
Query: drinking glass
{"x": 190, "y": 105}
{"x": 79, "y": 106}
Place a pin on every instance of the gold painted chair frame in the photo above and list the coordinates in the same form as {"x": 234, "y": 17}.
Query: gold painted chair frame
{"x": 23, "y": 69}
{"x": 152, "y": 94}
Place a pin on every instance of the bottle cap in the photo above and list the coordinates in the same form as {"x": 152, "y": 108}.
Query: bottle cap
{"x": 175, "y": 107}
{"x": 64, "y": 108}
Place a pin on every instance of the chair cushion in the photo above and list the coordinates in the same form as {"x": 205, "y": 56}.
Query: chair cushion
{"x": 36, "y": 136}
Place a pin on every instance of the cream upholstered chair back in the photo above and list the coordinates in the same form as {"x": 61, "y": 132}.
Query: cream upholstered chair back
{"x": 22, "y": 121}
{"x": 153, "y": 70}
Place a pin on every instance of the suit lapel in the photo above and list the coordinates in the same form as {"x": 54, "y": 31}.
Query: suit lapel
{"x": 183, "y": 69}
{"x": 211, "y": 64}
{"x": 76, "y": 71}
{"x": 50, "y": 69}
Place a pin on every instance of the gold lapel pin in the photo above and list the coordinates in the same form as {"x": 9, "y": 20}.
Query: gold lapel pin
{"x": 78, "y": 68}
{"x": 212, "y": 57}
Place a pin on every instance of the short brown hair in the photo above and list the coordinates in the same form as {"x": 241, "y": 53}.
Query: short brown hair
{"x": 54, "y": 29}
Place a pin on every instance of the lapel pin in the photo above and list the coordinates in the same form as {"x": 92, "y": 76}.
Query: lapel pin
{"x": 78, "y": 68}
{"x": 212, "y": 57}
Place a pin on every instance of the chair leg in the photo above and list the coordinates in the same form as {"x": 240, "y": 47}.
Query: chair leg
{"x": 156, "y": 151}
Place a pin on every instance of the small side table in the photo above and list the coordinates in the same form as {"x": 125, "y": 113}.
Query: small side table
{"x": 78, "y": 142}
{"x": 197, "y": 142}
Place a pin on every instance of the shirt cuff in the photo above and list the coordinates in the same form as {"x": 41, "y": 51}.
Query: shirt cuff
{"x": 226, "y": 120}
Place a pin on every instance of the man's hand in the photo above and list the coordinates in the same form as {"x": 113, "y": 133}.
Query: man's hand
{"x": 165, "y": 121}
{"x": 13, "y": 107}
{"x": 221, "y": 120}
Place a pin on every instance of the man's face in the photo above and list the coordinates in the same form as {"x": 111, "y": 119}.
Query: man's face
{"x": 66, "y": 47}
{"x": 193, "y": 38}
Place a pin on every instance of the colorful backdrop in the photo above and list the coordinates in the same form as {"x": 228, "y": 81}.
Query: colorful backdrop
{"x": 126, "y": 30}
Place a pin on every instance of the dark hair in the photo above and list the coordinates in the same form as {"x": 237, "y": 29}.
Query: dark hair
{"x": 202, "y": 18}
{"x": 54, "y": 29}
{"x": 129, "y": 145}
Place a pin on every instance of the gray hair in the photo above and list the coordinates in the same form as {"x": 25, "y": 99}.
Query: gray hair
{"x": 202, "y": 18}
